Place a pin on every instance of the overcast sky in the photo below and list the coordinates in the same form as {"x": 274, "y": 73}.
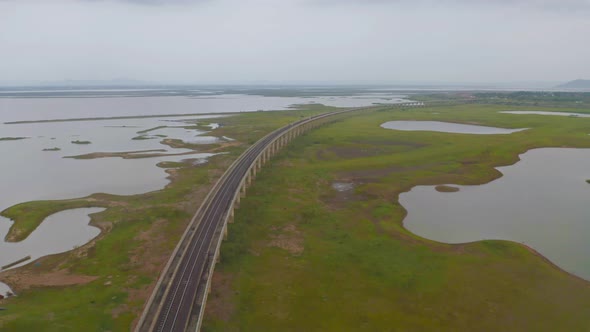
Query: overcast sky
{"x": 216, "y": 41}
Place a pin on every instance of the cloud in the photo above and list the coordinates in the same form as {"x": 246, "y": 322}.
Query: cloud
{"x": 276, "y": 40}
{"x": 551, "y": 5}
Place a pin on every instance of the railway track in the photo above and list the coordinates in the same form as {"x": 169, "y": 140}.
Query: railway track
{"x": 178, "y": 300}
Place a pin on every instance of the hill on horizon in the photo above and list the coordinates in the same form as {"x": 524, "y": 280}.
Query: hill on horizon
{"x": 576, "y": 84}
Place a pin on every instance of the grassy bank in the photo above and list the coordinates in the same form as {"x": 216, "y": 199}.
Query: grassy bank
{"x": 304, "y": 257}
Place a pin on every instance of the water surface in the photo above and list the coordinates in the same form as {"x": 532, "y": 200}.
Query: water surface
{"x": 33, "y": 174}
{"x": 60, "y": 232}
{"x": 541, "y": 201}
{"x": 581, "y": 115}
{"x": 446, "y": 127}
{"x": 22, "y": 109}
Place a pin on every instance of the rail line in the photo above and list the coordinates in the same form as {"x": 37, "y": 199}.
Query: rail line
{"x": 178, "y": 301}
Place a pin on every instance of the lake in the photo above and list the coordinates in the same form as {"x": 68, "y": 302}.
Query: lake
{"x": 575, "y": 115}
{"x": 447, "y": 127}
{"x": 541, "y": 201}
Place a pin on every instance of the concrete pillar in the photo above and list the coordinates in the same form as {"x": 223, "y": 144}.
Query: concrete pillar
{"x": 230, "y": 220}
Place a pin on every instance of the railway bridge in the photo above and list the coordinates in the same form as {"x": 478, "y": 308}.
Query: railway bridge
{"x": 178, "y": 300}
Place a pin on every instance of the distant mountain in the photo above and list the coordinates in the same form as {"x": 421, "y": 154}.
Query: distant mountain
{"x": 576, "y": 84}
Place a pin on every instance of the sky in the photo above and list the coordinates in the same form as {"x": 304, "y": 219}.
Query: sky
{"x": 337, "y": 41}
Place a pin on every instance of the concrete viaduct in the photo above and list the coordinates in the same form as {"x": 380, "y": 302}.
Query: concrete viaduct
{"x": 178, "y": 300}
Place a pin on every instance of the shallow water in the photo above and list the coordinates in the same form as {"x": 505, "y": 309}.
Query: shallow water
{"x": 21, "y": 109}
{"x": 60, "y": 232}
{"x": 33, "y": 174}
{"x": 342, "y": 186}
{"x": 5, "y": 289}
{"x": 581, "y": 115}
{"x": 541, "y": 201}
{"x": 446, "y": 127}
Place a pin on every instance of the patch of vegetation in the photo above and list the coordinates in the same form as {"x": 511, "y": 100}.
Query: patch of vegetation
{"x": 12, "y": 138}
{"x": 170, "y": 164}
{"x": 126, "y": 155}
{"x": 52, "y": 149}
{"x": 446, "y": 189}
{"x": 142, "y": 137}
{"x": 360, "y": 269}
{"x": 81, "y": 142}
{"x": 145, "y": 131}
{"x": 574, "y": 101}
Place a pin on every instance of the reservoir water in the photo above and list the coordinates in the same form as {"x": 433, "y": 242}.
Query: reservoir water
{"x": 541, "y": 201}
{"x": 446, "y": 127}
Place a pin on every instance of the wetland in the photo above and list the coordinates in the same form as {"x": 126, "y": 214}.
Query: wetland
{"x": 294, "y": 256}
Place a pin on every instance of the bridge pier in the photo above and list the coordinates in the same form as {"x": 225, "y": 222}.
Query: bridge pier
{"x": 230, "y": 219}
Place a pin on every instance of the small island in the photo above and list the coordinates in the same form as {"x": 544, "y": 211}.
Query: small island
{"x": 588, "y": 181}
{"x": 446, "y": 189}
{"x": 142, "y": 137}
{"x": 52, "y": 149}
{"x": 12, "y": 138}
{"x": 81, "y": 142}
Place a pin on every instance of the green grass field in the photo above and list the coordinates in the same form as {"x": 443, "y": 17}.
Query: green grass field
{"x": 303, "y": 257}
